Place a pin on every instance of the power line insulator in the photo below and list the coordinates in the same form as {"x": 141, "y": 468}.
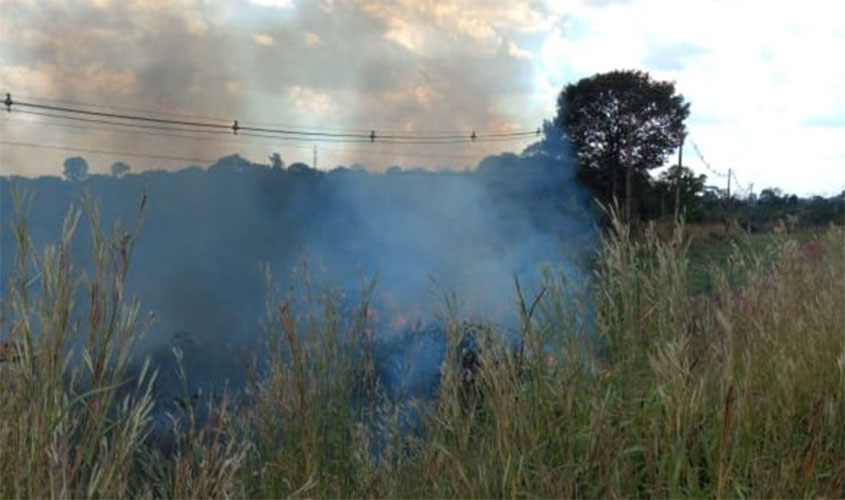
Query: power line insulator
{"x": 473, "y": 137}
{"x": 8, "y": 102}
{"x": 372, "y": 136}
{"x": 235, "y": 127}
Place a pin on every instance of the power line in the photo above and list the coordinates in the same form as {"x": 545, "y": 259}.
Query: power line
{"x": 730, "y": 175}
{"x": 204, "y": 127}
{"x": 746, "y": 190}
{"x": 170, "y": 135}
{"x": 74, "y": 102}
{"x": 167, "y": 128}
{"x": 420, "y": 133}
{"x": 144, "y": 126}
{"x": 366, "y": 152}
{"x": 705, "y": 162}
{"x": 237, "y": 128}
{"x": 215, "y": 136}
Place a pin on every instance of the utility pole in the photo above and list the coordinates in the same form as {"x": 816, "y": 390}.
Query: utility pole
{"x": 728, "y": 205}
{"x": 730, "y": 173}
{"x": 748, "y": 202}
{"x": 678, "y": 180}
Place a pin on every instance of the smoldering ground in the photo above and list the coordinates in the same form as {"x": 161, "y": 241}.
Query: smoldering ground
{"x": 420, "y": 236}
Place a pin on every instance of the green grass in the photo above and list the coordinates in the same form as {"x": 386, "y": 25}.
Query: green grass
{"x": 712, "y": 248}
{"x": 676, "y": 393}
{"x": 710, "y": 251}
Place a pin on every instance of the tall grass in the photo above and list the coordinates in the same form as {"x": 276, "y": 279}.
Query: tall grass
{"x": 639, "y": 387}
{"x": 73, "y": 421}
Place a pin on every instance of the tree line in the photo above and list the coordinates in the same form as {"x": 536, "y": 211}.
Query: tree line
{"x": 619, "y": 126}
{"x": 623, "y": 124}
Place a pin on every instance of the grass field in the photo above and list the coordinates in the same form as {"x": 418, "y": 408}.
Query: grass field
{"x": 703, "y": 368}
{"x": 714, "y": 245}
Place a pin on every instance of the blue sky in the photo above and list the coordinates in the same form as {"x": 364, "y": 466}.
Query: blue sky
{"x": 766, "y": 87}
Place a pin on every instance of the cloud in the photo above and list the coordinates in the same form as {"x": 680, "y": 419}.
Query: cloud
{"x": 427, "y": 65}
{"x": 276, "y": 4}
{"x": 263, "y": 39}
{"x": 310, "y": 101}
{"x": 672, "y": 57}
{"x": 28, "y": 81}
{"x": 754, "y": 80}
{"x": 827, "y": 121}
{"x": 515, "y": 51}
{"x": 51, "y": 80}
{"x": 312, "y": 40}
{"x": 605, "y": 3}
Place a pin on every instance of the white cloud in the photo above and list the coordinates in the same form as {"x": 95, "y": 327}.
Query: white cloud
{"x": 277, "y": 4}
{"x": 755, "y": 72}
{"x": 516, "y": 51}
{"x": 312, "y": 39}
{"x": 310, "y": 101}
{"x": 766, "y": 87}
{"x": 263, "y": 39}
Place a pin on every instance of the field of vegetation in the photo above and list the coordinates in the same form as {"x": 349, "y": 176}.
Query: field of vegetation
{"x": 685, "y": 373}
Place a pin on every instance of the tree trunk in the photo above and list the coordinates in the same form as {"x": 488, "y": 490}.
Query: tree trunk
{"x": 678, "y": 181}
{"x": 677, "y": 194}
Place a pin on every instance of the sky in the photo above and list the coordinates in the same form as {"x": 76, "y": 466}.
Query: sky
{"x": 767, "y": 91}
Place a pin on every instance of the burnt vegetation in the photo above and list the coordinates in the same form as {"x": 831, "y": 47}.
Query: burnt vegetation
{"x": 289, "y": 332}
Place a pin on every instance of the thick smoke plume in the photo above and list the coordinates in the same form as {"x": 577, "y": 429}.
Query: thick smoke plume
{"x": 419, "y": 235}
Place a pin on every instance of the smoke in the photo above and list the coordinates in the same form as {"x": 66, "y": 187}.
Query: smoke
{"x": 420, "y": 235}
{"x": 353, "y": 65}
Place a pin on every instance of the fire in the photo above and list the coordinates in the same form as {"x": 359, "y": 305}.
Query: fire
{"x": 396, "y": 316}
{"x": 385, "y": 314}
{"x": 398, "y": 321}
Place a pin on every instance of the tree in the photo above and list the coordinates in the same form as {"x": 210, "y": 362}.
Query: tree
{"x": 621, "y": 122}
{"x": 771, "y": 196}
{"x": 689, "y": 187}
{"x": 76, "y": 168}
{"x": 276, "y": 161}
{"x": 119, "y": 169}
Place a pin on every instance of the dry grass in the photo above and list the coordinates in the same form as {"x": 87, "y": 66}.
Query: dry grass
{"x": 639, "y": 388}
{"x": 72, "y": 421}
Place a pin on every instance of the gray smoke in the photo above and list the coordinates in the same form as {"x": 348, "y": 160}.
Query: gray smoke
{"x": 326, "y": 64}
{"x": 421, "y": 235}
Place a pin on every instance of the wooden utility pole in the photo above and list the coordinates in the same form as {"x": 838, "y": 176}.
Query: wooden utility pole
{"x": 678, "y": 180}
{"x": 728, "y": 205}
{"x": 750, "y": 197}
{"x": 730, "y": 173}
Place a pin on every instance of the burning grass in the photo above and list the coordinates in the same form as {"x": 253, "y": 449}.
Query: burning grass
{"x": 646, "y": 388}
